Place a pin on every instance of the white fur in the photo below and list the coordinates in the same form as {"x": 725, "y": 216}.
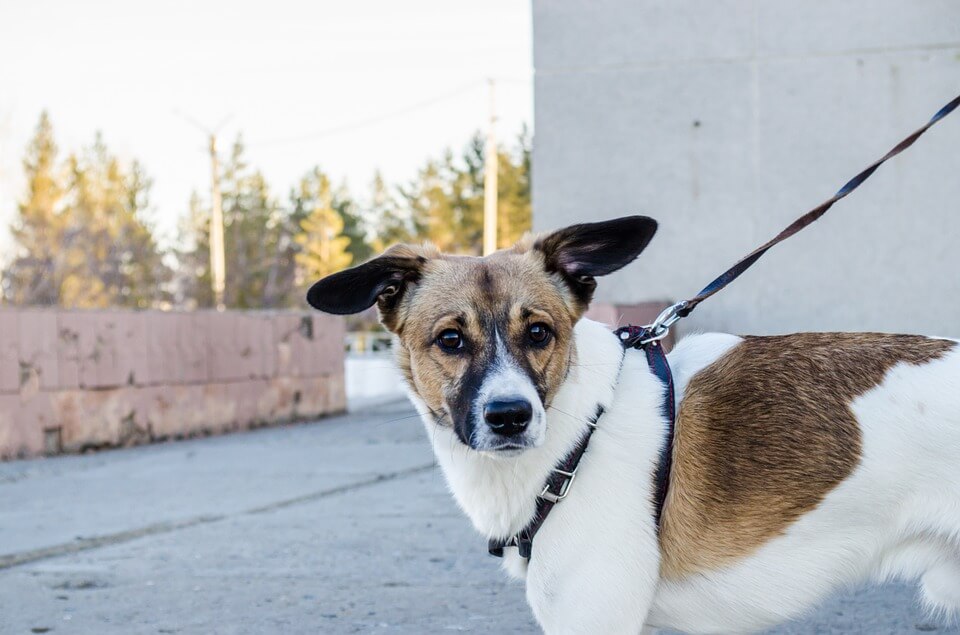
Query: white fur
{"x": 595, "y": 561}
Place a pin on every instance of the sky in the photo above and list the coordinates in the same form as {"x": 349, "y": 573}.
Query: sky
{"x": 352, "y": 86}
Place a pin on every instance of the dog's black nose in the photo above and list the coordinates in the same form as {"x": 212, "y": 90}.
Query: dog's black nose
{"x": 508, "y": 417}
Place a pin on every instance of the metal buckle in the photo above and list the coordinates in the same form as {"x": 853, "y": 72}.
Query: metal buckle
{"x": 661, "y": 326}
{"x": 547, "y": 495}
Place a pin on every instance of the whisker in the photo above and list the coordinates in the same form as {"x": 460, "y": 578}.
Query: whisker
{"x": 563, "y": 412}
{"x": 596, "y": 364}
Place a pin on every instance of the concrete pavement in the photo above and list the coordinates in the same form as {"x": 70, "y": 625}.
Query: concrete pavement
{"x": 336, "y": 527}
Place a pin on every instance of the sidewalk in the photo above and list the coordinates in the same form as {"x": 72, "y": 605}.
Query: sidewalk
{"x": 336, "y": 527}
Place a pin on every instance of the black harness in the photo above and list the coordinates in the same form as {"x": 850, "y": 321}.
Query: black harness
{"x": 647, "y": 339}
{"x": 561, "y": 477}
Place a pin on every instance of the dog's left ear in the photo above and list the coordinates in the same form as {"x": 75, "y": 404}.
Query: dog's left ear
{"x": 580, "y": 253}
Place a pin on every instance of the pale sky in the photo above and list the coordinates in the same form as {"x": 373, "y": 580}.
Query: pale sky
{"x": 279, "y": 70}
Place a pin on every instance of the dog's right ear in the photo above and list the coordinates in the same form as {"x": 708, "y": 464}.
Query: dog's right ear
{"x": 382, "y": 280}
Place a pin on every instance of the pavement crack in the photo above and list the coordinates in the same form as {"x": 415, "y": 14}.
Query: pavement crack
{"x": 8, "y": 561}
{"x": 340, "y": 489}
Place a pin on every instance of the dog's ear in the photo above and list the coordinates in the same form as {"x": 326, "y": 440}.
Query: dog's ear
{"x": 382, "y": 280}
{"x": 580, "y": 253}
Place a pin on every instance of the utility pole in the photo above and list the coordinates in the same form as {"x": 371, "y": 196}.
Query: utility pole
{"x": 218, "y": 264}
{"x": 490, "y": 180}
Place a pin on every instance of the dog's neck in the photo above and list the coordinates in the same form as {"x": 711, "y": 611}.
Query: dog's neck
{"x": 500, "y": 494}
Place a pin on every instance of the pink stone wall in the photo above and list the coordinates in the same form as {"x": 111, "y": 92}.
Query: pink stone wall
{"x": 76, "y": 380}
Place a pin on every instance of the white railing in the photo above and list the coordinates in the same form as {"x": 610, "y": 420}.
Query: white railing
{"x": 369, "y": 342}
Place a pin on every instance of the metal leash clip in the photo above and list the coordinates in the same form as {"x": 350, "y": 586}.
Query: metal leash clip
{"x": 661, "y": 326}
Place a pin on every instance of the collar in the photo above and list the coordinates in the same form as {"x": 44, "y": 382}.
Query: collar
{"x": 561, "y": 477}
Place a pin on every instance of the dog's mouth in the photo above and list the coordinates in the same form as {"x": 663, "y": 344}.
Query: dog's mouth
{"x": 487, "y": 442}
{"x": 505, "y": 450}
{"x": 508, "y": 446}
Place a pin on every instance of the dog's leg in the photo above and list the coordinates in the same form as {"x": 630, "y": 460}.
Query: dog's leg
{"x": 602, "y": 601}
{"x": 603, "y": 586}
{"x": 940, "y": 588}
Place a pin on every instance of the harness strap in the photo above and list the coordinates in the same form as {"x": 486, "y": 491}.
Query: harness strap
{"x": 639, "y": 337}
{"x": 561, "y": 477}
{"x": 554, "y": 490}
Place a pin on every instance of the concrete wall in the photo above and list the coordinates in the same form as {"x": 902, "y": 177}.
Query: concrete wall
{"x": 74, "y": 380}
{"x": 726, "y": 119}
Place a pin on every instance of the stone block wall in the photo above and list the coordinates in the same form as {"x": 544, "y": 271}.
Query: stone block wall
{"x": 77, "y": 380}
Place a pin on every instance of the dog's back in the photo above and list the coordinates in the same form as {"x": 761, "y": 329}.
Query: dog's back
{"x": 803, "y": 462}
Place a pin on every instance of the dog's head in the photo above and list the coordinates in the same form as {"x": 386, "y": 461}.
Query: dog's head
{"x": 486, "y": 342}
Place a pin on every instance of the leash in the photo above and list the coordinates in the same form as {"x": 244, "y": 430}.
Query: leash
{"x": 648, "y": 339}
{"x": 680, "y": 310}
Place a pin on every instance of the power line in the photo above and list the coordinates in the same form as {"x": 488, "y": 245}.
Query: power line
{"x": 199, "y": 126}
{"x": 369, "y": 121}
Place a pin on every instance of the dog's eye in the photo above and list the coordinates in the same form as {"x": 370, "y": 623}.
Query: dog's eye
{"x": 538, "y": 333}
{"x": 450, "y": 339}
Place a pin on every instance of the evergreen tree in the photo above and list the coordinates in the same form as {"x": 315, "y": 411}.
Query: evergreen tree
{"x": 258, "y": 239}
{"x": 271, "y": 251}
{"x": 193, "y": 282}
{"x": 259, "y": 245}
{"x": 324, "y": 249}
{"x": 82, "y": 237}
{"x": 38, "y": 231}
{"x": 392, "y": 222}
{"x": 445, "y": 208}
{"x": 446, "y": 199}
{"x": 514, "y": 217}
{"x": 113, "y": 259}
{"x": 354, "y": 227}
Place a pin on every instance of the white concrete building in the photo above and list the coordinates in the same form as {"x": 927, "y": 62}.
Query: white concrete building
{"x": 727, "y": 119}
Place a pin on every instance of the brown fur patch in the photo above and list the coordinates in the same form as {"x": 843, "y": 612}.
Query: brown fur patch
{"x": 764, "y": 434}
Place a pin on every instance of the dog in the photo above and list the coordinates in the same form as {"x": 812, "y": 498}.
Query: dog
{"x": 801, "y": 464}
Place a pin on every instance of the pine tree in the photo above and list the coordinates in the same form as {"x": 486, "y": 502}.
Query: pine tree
{"x": 445, "y": 207}
{"x": 262, "y": 239}
{"x": 257, "y": 239}
{"x": 192, "y": 282}
{"x": 323, "y": 247}
{"x": 38, "y": 231}
{"x": 113, "y": 259}
{"x": 514, "y": 217}
{"x": 83, "y": 240}
{"x": 445, "y": 201}
{"x": 354, "y": 227}
{"x": 392, "y": 222}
